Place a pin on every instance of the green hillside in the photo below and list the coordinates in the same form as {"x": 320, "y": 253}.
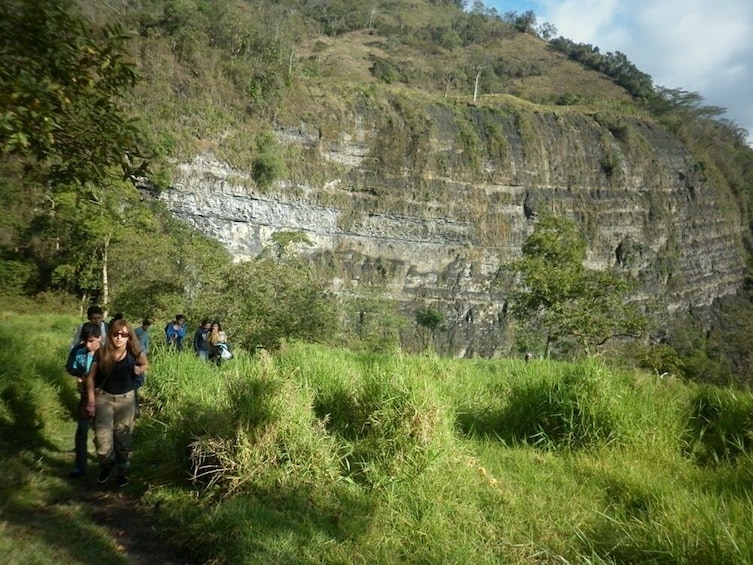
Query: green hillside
{"x": 90, "y": 112}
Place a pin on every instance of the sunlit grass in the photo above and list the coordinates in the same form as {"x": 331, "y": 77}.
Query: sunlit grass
{"x": 314, "y": 455}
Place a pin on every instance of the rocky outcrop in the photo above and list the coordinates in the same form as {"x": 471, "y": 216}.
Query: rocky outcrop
{"x": 429, "y": 216}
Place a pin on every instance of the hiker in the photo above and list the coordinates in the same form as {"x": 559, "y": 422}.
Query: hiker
{"x": 218, "y": 343}
{"x": 142, "y": 332}
{"x": 200, "y": 339}
{"x": 95, "y": 315}
{"x": 78, "y": 364}
{"x": 175, "y": 331}
{"x": 111, "y": 398}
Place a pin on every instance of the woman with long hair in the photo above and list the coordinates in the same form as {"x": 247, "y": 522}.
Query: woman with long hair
{"x": 111, "y": 398}
{"x": 217, "y": 340}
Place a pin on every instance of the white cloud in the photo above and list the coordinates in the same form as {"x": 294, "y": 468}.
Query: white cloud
{"x": 703, "y": 46}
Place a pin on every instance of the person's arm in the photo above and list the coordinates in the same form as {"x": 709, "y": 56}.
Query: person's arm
{"x": 90, "y": 399}
{"x": 142, "y": 364}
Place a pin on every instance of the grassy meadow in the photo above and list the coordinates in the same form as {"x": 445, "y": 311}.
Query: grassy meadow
{"x": 313, "y": 455}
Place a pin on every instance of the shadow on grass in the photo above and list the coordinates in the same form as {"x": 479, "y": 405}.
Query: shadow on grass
{"x": 575, "y": 410}
{"x": 271, "y": 526}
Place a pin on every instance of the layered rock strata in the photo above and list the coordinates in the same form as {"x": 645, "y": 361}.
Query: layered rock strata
{"x": 427, "y": 231}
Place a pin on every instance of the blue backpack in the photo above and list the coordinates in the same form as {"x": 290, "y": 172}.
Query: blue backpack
{"x": 76, "y": 363}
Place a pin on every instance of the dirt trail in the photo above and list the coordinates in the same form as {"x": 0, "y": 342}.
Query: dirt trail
{"x": 134, "y": 532}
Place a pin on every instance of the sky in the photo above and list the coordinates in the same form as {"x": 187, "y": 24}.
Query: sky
{"x": 703, "y": 46}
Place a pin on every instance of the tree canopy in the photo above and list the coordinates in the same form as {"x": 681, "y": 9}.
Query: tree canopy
{"x": 60, "y": 87}
{"x": 557, "y": 297}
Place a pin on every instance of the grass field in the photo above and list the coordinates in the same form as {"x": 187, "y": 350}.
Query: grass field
{"x": 312, "y": 455}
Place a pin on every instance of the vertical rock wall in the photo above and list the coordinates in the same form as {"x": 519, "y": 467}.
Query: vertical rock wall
{"x": 432, "y": 222}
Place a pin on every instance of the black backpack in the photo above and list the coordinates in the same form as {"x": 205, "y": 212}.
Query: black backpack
{"x": 138, "y": 380}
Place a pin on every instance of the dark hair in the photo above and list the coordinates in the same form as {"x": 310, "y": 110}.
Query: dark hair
{"x": 146, "y": 322}
{"x": 204, "y": 322}
{"x": 90, "y": 330}
{"x": 179, "y": 317}
{"x": 94, "y": 310}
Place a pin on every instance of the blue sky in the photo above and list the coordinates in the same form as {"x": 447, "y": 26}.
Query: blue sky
{"x": 703, "y": 46}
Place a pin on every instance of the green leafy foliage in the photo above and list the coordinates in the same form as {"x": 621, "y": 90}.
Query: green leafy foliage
{"x": 557, "y": 296}
{"x": 265, "y": 302}
{"x": 373, "y": 322}
{"x": 60, "y": 91}
{"x": 162, "y": 265}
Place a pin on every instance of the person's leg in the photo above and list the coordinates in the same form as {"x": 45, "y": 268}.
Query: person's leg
{"x": 82, "y": 449}
{"x": 203, "y": 354}
{"x": 125, "y": 415}
{"x": 103, "y": 437}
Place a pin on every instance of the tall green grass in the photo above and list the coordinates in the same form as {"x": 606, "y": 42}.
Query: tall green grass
{"x": 314, "y": 455}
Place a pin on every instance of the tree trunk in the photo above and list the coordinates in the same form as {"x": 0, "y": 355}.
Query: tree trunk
{"x": 105, "y": 278}
{"x": 475, "y": 85}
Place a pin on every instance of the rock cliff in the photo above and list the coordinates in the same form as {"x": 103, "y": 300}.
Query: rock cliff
{"x": 428, "y": 208}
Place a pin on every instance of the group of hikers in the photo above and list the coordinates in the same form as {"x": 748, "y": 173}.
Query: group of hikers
{"x": 110, "y": 364}
{"x": 209, "y": 340}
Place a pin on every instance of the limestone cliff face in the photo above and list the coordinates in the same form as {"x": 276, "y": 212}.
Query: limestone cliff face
{"x": 430, "y": 212}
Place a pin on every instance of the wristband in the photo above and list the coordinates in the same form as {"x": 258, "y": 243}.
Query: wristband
{"x": 91, "y": 405}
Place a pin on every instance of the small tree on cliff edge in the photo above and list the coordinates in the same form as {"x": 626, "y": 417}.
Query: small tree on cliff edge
{"x": 556, "y": 296}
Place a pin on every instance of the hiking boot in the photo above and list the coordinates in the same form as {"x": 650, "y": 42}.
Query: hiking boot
{"x": 122, "y": 481}
{"x": 76, "y": 473}
{"x": 104, "y": 474}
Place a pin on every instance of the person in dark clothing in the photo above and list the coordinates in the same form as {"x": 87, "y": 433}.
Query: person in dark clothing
{"x": 111, "y": 398}
{"x": 217, "y": 343}
{"x": 201, "y": 339}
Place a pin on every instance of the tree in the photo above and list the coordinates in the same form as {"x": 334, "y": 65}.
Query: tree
{"x": 429, "y": 322}
{"x": 72, "y": 236}
{"x": 60, "y": 88}
{"x": 555, "y": 295}
{"x": 524, "y": 23}
{"x": 265, "y": 302}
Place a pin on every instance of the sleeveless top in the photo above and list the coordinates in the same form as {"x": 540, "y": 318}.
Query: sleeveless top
{"x": 121, "y": 380}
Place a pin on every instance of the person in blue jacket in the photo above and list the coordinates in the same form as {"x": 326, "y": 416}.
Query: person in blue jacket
{"x": 78, "y": 364}
{"x": 175, "y": 331}
{"x": 142, "y": 332}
